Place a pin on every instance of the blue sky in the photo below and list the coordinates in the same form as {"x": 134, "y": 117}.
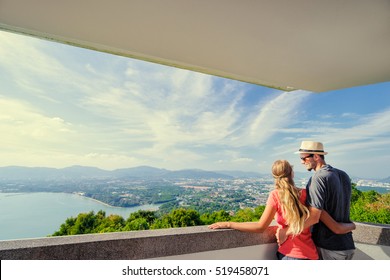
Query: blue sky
{"x": 62, "y": 106}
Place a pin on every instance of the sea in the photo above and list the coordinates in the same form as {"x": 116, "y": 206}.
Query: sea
{"x": 36, "y": 215}
{"x": 381, "y": 190}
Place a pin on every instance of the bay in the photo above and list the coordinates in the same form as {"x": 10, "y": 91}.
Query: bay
{"x": 381, "y": 190}
{"x": 33, "y": 215}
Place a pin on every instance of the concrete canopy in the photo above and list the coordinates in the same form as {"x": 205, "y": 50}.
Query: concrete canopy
{"x": 313, "y": 45}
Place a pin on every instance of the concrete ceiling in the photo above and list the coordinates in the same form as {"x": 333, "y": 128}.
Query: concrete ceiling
{"x": 315, "y": 45}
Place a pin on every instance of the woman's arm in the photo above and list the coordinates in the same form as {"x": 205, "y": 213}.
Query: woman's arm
{"x": 260, "y": 226}
{"x": 336, "y": 227}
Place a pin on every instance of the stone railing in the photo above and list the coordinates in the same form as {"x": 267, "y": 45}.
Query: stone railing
{"x": 373, "y": 242}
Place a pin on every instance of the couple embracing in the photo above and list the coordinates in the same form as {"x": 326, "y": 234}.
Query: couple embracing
{"x": 314, "y": 223}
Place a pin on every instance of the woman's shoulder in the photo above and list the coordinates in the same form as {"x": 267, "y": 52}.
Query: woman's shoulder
{"x": 274, "y": 193}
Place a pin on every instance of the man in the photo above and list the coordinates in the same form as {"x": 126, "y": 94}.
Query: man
{"x": 329, "y": 189}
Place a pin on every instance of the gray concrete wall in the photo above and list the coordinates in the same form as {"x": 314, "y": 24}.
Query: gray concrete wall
{"x": 132, "y": 245}
{"x": 373, "y": 242}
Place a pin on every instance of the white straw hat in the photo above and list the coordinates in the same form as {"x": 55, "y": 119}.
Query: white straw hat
{"x": 311, "y": 147}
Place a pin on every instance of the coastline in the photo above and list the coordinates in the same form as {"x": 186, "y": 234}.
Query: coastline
{"x": 98, "y": 201}
{"x": 118, "y": 207}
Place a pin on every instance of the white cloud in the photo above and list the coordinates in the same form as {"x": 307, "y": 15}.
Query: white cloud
{"x": 29, "y": 64}
{"x": 272, "y": 117}
{"x": 369, "y": 133}
{"x": 360, "y": 147}
{"x": 20, "y": 122}
{"x": 62, "y": 107}
{"x": 172, "y": 107}
{"x": 28, "y": 137}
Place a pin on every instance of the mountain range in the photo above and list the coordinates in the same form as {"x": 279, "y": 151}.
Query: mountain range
{"x": 86, "y": 172}
{"x": 77, "y": 172}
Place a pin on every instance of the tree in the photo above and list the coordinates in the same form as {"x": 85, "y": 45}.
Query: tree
{"x": 355, "y": 193}
{"x": 85, "y": 223}
{"x": 218, "y": 216}
{"x": 112, "y": 223}
{"x": 370, "y": 207}
{"x": 137, "y": 224}
{"x": 245, "y": 215}
{"x": 66, "y": 228}
{"x": 179, "y": 218}
{"x": 149, "y": 216}
{"x": 259, "y": 211}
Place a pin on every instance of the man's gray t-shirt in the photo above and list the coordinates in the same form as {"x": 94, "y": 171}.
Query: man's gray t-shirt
{"x": 329, "y": 189}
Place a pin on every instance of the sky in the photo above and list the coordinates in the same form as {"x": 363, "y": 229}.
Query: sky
{"x": 62, "y": 105}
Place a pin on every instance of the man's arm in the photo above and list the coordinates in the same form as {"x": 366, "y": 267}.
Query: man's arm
{"x": 336, "y": 227}
{"x": 315, "y": 214}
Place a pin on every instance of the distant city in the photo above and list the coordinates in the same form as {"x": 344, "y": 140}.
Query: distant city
{"x": 371, "y": 183}
{"x": 204, "y": 191}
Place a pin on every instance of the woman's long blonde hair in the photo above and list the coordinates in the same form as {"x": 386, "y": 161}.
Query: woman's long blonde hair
{"x": 295, "y": 213}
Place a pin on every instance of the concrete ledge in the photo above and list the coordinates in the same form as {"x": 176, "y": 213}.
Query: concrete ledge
{"x": 176, "y": 243}
{"x": 132, "y": 245}
{"x": 374, "y": 234}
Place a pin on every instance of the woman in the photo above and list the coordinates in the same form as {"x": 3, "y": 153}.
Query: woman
{"x": 287, "y": 205}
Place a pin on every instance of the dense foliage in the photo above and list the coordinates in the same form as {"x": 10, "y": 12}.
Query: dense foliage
{"x": 369, "y": 206}
{"x": 99, "y": 223}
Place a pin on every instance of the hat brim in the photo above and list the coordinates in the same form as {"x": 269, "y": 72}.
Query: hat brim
{"x": 307, "y": 152}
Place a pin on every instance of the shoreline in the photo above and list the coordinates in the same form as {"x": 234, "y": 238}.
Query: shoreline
{"x": 108, "y": 205}
{"x": 99, "y": 201}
